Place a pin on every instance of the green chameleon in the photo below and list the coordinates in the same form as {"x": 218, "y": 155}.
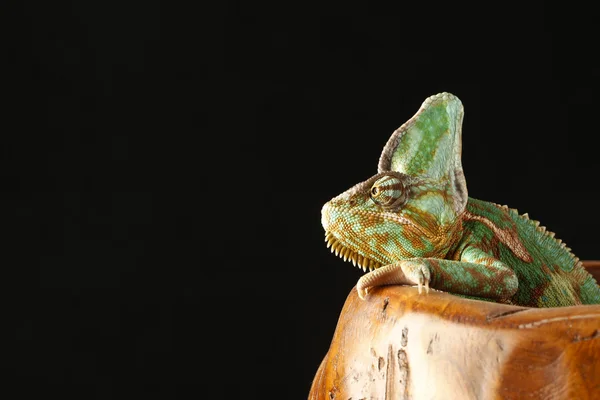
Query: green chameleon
{"x": 413, "y": 224}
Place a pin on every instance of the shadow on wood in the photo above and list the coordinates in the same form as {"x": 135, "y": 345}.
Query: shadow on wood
{"x": 398, "y": 344}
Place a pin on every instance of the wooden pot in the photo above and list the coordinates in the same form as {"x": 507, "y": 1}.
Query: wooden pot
{"x": 398, "y": 344}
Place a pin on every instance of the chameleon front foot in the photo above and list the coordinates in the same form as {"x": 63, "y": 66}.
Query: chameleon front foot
{"x": 400, "y": 273}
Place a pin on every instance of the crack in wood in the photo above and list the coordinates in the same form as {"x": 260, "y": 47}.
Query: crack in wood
{"x": 594, "y": 335}
{"x": 403, "y": 375}
{"x": 504, "y": 314}
{"x": 404, "y": 337}
{"x": 386, "y": 302}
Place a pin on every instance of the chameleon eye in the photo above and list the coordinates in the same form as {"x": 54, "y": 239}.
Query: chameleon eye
{"x": 388, "y": 192}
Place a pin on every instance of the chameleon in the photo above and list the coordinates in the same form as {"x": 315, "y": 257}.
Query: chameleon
{"x": 413, "y": 223}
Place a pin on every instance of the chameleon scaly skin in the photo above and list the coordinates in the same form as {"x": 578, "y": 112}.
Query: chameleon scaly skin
{"x": 413, "y": 224}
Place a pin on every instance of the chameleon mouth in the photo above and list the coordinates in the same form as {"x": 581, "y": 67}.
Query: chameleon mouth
{"x": 347, "y": 254}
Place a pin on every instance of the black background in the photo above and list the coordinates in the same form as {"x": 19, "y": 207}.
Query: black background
{"x": 164, "y": 167}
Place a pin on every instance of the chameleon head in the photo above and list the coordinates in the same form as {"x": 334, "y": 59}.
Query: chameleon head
{"x": 371, "y": 224}
{"x": 411, "y": 207}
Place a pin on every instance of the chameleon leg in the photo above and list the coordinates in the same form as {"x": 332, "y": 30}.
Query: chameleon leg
{"x": 477, "y": 274}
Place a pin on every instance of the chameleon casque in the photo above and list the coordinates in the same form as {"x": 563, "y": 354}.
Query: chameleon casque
{"x": 413, "y": 224}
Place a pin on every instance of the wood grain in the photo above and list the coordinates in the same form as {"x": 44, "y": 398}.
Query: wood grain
{"x": 398, "y": 344}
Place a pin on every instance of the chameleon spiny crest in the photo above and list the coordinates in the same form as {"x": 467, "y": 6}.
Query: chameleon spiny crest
{"x": 413, "y": 223}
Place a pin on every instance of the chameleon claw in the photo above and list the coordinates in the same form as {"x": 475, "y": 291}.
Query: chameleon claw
{"x": 362, "y": 293}
{"x": 423, "y": 284}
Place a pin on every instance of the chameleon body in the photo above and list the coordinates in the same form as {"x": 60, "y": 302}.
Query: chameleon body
{"x": 413, "y": 224}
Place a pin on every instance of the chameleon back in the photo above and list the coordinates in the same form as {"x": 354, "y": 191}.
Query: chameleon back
{"x": 549, "y": 274}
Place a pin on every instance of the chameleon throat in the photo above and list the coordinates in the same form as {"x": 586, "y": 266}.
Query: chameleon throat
{"x": 347, "y": 254}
